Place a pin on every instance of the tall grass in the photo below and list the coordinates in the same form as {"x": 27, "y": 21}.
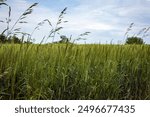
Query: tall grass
{"x": 69, "y": 71}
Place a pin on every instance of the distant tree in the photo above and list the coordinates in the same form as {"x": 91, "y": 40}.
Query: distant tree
{"x": 10, "y": 39}
{"x": 134, "y": 40}
{"x": 15, "y": 39}
{"x": 2, "y": 38}
{"x": 64, "y": 39}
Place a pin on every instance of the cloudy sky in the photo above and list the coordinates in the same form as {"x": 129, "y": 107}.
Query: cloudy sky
{"x": 107, "y": 20}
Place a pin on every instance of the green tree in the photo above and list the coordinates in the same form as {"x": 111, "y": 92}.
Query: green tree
{"x": 2, "y": 38}
{"x": 10, "y": 39}
{"x": 134, "y": 40}
{"x": 64, "y": 39}
{"x": 15, "y": 39}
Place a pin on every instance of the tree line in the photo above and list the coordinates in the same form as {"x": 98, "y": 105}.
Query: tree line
{"x": 12, "y": 39}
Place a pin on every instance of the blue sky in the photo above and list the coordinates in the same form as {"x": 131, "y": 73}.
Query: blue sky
{"x": 107, "y": 20}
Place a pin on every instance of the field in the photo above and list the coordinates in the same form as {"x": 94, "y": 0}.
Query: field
{"x": 71, "y": 71}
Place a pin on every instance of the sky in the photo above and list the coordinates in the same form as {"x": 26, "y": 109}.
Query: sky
{"x": 107, "y": 20}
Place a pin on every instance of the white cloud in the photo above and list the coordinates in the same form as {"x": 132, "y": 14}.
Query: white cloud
{"x": 91, "y": 26}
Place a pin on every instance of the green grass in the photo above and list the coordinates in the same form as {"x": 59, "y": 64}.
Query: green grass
{"x": 69, "y": 71}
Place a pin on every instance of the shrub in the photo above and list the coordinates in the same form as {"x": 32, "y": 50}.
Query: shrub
{"x": 2, "y": 38}
{"x": 134, "y": 40}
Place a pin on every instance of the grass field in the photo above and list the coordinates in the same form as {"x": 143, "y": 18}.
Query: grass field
{"x": 70, "y": 71}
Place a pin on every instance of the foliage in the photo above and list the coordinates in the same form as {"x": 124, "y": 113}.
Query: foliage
{"x": 64, "y": 39}
{"x": 70, "y": 71}
{"x": 12, "y": 39}
{"x": 134, "y": 40}
{"x": 2, "y": 38}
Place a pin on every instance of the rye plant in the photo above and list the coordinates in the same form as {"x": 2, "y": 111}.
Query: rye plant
{"x": 75, "y": 71}
{"x": 14, "y": 30}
